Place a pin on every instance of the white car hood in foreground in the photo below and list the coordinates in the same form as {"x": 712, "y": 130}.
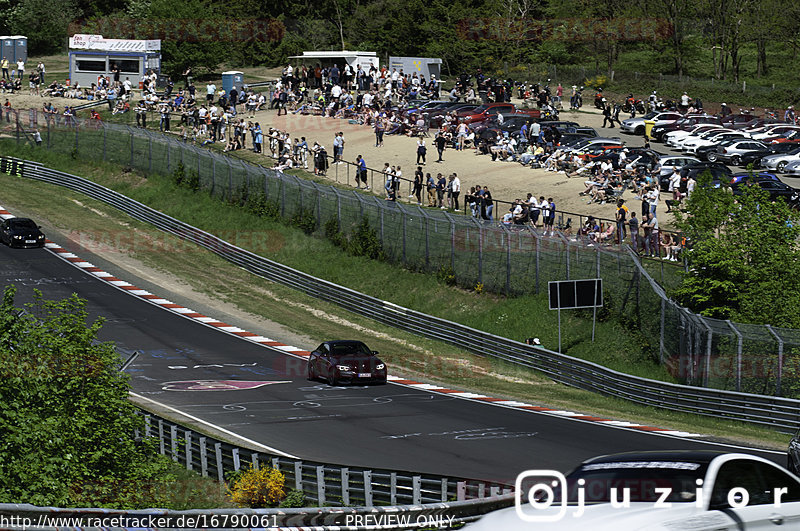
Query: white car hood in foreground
{"x": 604, "y": 517}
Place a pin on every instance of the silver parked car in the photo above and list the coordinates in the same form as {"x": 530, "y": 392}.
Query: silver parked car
{"x": 669, "y": 163}
{"x": 778, "y": 162}
{"x": 732, "y": 153}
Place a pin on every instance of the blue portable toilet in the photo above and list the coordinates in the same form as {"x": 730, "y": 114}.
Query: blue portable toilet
{"x": 7, "y": 48}
{"x": 231, "y": 79}
{"x": 20, "y": 48}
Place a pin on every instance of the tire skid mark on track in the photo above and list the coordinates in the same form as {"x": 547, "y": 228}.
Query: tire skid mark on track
{"x": 298, "y": 352}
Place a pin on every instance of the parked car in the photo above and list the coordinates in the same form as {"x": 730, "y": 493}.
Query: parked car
{"x": 669, "y": 163}
{"x": 710, "y": 140}
{"x": 483, "y": 112}
{"x": 21, "y": 232}
{"x": 754, "y": 157}
{"x": 792, "y": 169}
{"x": 685, "y": 124}
{"x": 593, "y": 143}
{"x": 732, "y": 153}
{"x": 773, "y": 187}
{"x": 699, "y": 490}
{"x": 636, "y": 126}
{"x": 674, "y": 139}
{"x": 740, "y": 177}
{"x": 346, "y": 361}
{"x": 704, "y": 151}
{"x": 779, "y": 161}
{"x": 720, "y": 174}
{"x": 774, "y": 133}
{"x": 736, "y": 121}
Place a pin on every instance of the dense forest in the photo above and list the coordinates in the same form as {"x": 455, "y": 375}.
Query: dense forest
{"x": 725, "y": 40}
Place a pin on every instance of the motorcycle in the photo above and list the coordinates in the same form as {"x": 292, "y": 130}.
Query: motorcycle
{"x": 633, "y": 103}
{"x": 598, "y": 99}
{"x": 576, "y": 102}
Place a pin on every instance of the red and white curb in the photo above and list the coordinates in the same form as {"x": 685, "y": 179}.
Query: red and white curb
{"x": 288, "y": 349}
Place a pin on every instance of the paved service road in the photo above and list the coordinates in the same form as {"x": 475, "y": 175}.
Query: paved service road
{"x": 262, "y": 394}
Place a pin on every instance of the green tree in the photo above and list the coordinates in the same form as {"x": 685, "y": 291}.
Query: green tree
{"x": 44, "y": 22}
{"x": 67, "y": 426}
{"x": 744, "y": 259}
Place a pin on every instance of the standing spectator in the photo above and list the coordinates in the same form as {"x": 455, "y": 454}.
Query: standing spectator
{"x": 441, "y": 142}
{"x": 20, "y": 69}
{"x": 211, "y": 89}
{"x": 684, "y": 102}
{"x": 163, "y": 126}
{"x": 4, "y": 66}
{"x": 257, "y": 138}
{"x": 487, "y": 204}
{"x": 379, "y": 129}
{"x": 441, "y": 186}
{"x": 421, "y": 150}
{"x": 652, "y": 198}
{"x": 40, "y": 69}
{"x": 461, "y": 136}
{"x": 633, "y": 224}
{"x": 418, "y": 180}
{"x": 397, "y": 173}
{"x": 551, "y": 215}
{"x": 388, "y": 183}
{"x": 621, "y": 215}
{"x": 361, "y": 173}
{"x": 456, "y": 189}
{"x": 431, "y": 184}
{"x": 338, "y": 142}
{"x": 37, "y": 137}
{"x": 650, "y": 236}
{"x": 789, "y": 115}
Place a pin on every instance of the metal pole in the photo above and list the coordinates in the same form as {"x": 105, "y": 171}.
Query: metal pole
{"x": 780, "y": 358}
{"x": 480, "y": 254}
{"x": 507, "y": 235}
{"x": 738, "y": 356}
{"x": 661, "y": 333}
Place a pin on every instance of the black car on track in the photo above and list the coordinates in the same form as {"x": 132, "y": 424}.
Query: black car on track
{"x": 346, "y": 362}
{"x": 21, "y": 232}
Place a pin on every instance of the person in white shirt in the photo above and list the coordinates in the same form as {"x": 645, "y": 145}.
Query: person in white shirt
{"x": 456, "y": 186}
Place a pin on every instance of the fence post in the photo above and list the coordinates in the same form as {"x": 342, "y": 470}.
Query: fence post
{"x": 444, "y": 490}
{"x": 169, "y": 146}
{"x": 404, "y": 218}
{"x": 276, "y": 463}
{"x": 345, "y": 486}
{"x": 461, "y": 491}
{"x": 338, "y": 208}
{"x": 320, "y": 486}
{"x": 427, "y": 238}
{"x": 104, "y": 142}
{"x": 149, "y": 153}
{"x": 780, "y": 358}
{"x": 283, "y": 197}
{"x": 538, "y": 249}
{"x": 218, "y": 455}
{"x": 236, "y": 463}
{"x": 173, "y": 440}
{"x": 661, "y": 332}
{"x": 507, "y": 235}
{"x": 416, "y": 482}
{"x": 566, "y": 244}
{"x": 161, "y": 449}
{"x": 188, "y": 443}
{"x": 393, "y": 488}
{"x": 298, "y": 475}
{"x": 738, "y": 355}
{"x": 368, "y": 488}
{"x": 254, "y": 461}
{"x": 203, "y": 457}
{"x": 147, "y": 425}
{"x": 131, "y": 164}
{"x": 480, "y": 254}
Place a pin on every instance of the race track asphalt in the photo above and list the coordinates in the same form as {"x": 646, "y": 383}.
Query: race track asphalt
{"x": 386, "y": 426}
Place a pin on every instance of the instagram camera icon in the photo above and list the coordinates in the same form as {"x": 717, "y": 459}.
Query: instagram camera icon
{"x": 539, "y": 488}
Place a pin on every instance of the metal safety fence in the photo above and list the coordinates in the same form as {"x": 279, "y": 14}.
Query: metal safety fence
{"x": 323, "y": 484}
{"x": 696, "y": 350}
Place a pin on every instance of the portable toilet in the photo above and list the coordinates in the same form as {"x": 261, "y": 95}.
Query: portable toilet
{"x": 20, "y": 48}
{"x": 7, "y": 48}
{"x": 231, "y": 79}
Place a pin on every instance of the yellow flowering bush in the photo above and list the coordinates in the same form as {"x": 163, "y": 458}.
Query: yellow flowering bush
{"x": 258, "y": 488}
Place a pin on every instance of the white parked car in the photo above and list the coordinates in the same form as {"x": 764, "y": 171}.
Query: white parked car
{"x": 668, "y": 163}
{"x": 656, "y": 491}
{"x": 674, "y": 138}
{"x": 708, "y": 139}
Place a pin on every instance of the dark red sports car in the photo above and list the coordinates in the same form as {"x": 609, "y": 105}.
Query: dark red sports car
{"x": 346, "y": 362}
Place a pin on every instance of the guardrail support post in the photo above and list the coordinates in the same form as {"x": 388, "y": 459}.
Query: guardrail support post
{"x": 161, "y": 449}
{"x": 461, "y": 491}
{"x": 276, "y": 463}
{"x": 147, "y": 425}
{"x": 368, "y": 488}
{"x": 494, "y": 491}
{"x": 188, "y": 443}
{"x": 173, "y": 440}
{"x": 203, "y": 457}
{"x": 393, "y": 488}
{"x": 218, "y": 455}
{"x": 481, "y": 490}
{"x": 345, "y": 486}
{"x": 254, "y": 464}
{"x": 320, "y": 486}
{"x": 444, "y": 489}
{"x": 236, "y": 463}
{"x": 298, "y": 475}
{"x": 416, "y": 482}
